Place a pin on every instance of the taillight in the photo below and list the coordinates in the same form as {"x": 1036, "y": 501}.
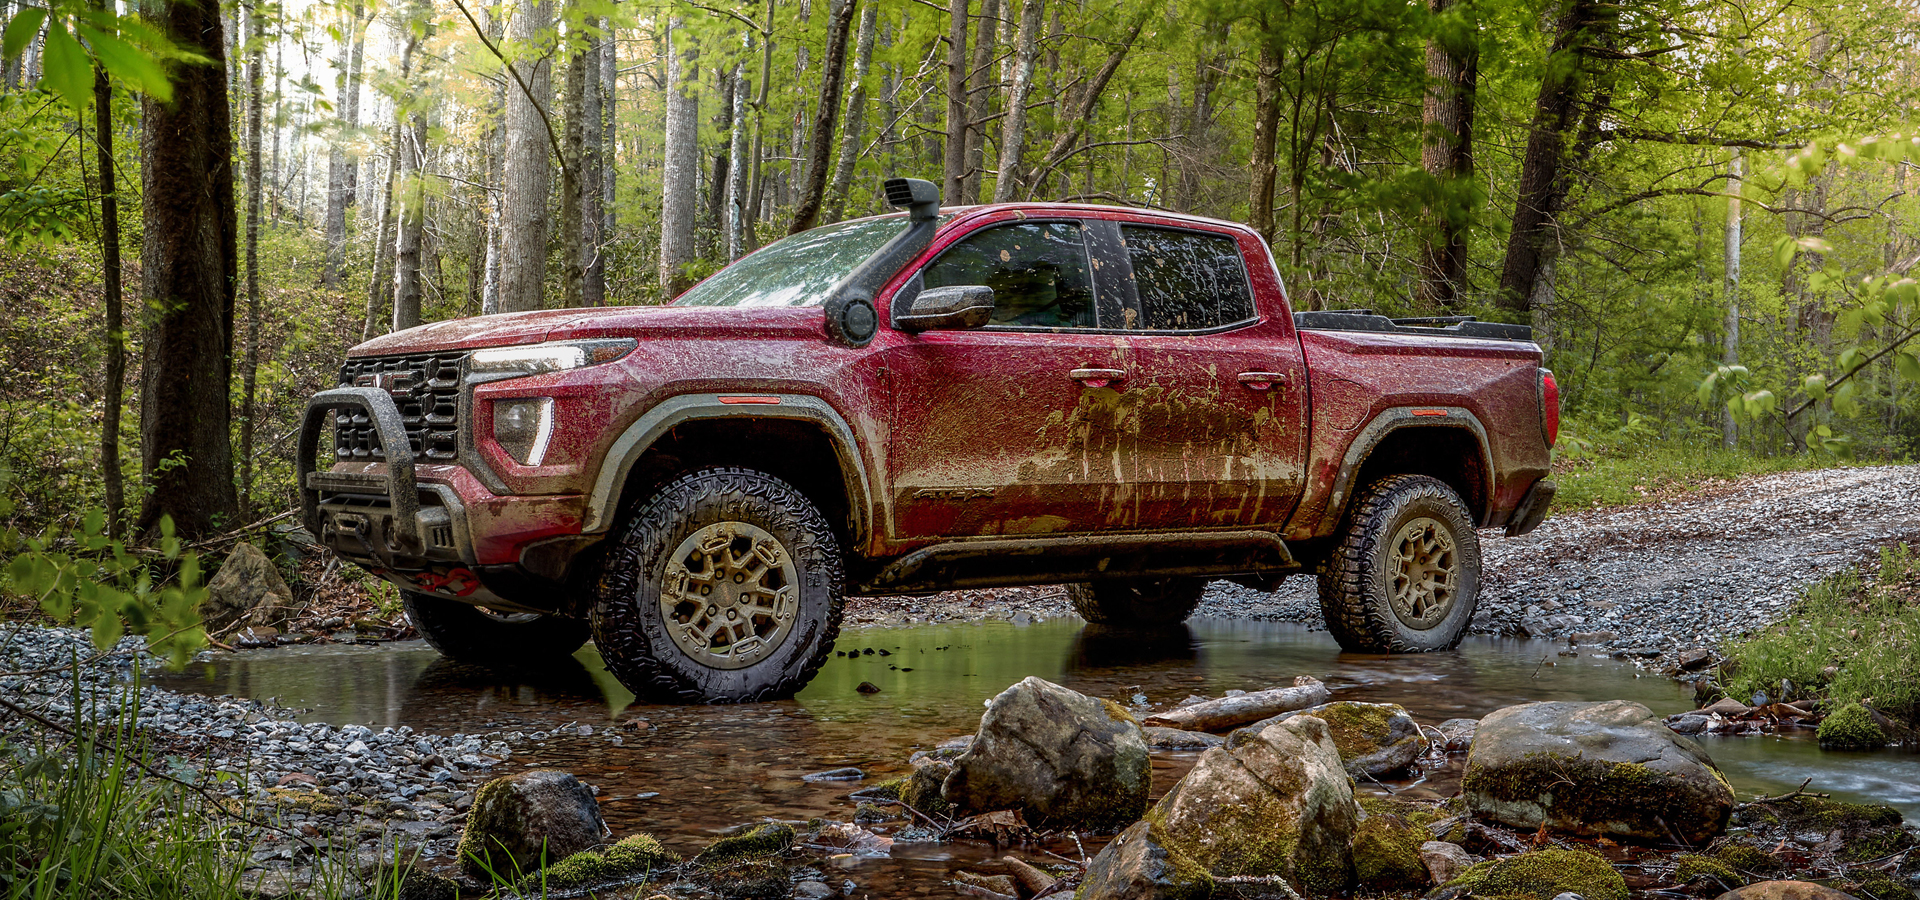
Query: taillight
{"x": 1549, "y": 407}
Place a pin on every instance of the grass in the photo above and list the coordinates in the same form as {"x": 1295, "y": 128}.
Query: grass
{"x": 1852, "y": 638}
{"x": 1631, "y": 474}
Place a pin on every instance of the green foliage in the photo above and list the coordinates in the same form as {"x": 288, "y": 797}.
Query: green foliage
{"x": 1851, "y": 638}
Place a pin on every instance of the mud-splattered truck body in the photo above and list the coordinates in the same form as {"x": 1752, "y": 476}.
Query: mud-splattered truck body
{"x": 1012, "y": 394}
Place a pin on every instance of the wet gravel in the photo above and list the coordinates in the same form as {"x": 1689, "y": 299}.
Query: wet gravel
{"x": 1690, "y": 572}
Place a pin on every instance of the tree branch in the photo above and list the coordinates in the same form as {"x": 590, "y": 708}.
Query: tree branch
{"x": 1862, "y": 367}
{"x": 552, "y": 137}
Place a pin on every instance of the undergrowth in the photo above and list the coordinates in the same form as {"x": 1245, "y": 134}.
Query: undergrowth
{"x": 1852, "y": 638}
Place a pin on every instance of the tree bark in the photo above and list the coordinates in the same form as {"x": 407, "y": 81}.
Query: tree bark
{"x": 954, "y": 153}
{"x": 854, "y": 129}
{"x": 380, "y": 285}
{"x": 979, "y": 100}
{"x": 737, "y": 169}
{"x": 826, "y": 115}
{"x": 1082, "y": 113}
{"x": 112, "y": 400}
{"x": 593, "y": 271}
{"x": 410, "y": 198}
{"x": 1453, "y": 64}
{"x": 529, "y": 169}
{"x": 250, "y": 360}
{"x": 679, "y": 164}
{"x": 1540, "y": 169}
{"x": 1013, "y": 130}
{"x": 188, "y": 262}
{"x": 1730, "y": 333}
{"x": 609, "y": 94}
{"x": 341, "y": 167}
{"x": 496, "y": 152}
{"x": 1233, "y": 712}
{"x": 572, "y": 180}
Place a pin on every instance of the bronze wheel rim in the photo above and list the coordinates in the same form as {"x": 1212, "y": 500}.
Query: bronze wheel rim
{"x": 1426, "y": 573}
{"x": 730, "y": 595}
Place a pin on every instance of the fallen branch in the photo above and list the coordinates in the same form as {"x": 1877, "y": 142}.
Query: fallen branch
{"x": 1232, "y": 712}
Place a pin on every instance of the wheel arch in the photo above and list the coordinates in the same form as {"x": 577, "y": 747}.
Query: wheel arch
{"x": 1445, "y": 443}
{"x": 799, "y": 439}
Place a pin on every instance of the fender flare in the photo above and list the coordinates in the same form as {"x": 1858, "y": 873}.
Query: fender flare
{"x": 1395, "y": 419}
{"x": 604, "y": 499}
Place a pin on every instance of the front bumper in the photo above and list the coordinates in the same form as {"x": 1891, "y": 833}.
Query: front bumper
{"x": 451, "y": 537}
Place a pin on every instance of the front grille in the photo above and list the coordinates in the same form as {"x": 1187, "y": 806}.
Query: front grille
{"x": 427, "y": 391}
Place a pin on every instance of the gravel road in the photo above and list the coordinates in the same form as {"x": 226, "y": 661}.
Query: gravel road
{"x": 1683, "y": 573}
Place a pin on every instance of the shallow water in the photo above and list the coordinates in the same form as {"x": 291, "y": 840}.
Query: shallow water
{"x": 718, "y": 767}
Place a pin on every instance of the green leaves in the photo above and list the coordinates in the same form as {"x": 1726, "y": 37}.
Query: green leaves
{"x": 65, "y": 67}
{"x": 129, "y": 64}
{"x": 79, "y": 35}
{"x": 95, "y": 582}
{"x": 21, "y": 30}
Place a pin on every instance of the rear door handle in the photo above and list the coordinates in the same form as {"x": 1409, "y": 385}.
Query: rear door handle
{"x": 1261, "y": 381}
{"x": 1097, "y": 378}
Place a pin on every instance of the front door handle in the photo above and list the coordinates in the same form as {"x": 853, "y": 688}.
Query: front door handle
{"x": 1097, "y": 378}
{"x": 1261, "y": 381}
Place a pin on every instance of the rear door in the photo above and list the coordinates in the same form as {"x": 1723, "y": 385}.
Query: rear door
{"x": 1218, "y": 379}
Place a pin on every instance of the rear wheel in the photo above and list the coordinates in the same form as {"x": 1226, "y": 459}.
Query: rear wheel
{"x": 1137, "y": 601}
{"x": 473, "y": 634}
{"x": 726, "y": 587}
{"x": 1406, "y": 573}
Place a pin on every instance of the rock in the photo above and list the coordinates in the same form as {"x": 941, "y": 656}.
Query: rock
{"x": 1374, "y": 738}
{"x": 1444, "y": 861}
{"x": 1545, "y": 874}
{"x": 999, "y": 884}
{"x": 867, "y": 687}
{"x": 1852, "y": 727}
{"x": 248, "y": 590}
{"x": 813, "y": 890}
{"x": 1728, "y": 707}
{"x": 1271, "y": 802}
{"x": 1696, "y": 659}
{"x": 1610, "y": 769}
{"x": 527, "y": 819}
{"x": 1162, "y": 738}
{"x": 418, "y": 885}
{"x": 1459, "y": 734}
{"x": 1689, "y": 724}
{"x": 922, "y": 789}
{"x": 770, "y": 839}
{"x": 1060, "y": 757}
{"x": 254, "y": 637}
{"x": 631, "y": 860}
{"x": 1580, "y": 638}
{"x": 764, "y": 878}
{"x": 1568, "y": 895}
{"x": 1785, "y": 890}
{"x": 1386, "y": 855}
{"x": 1137, "y": 865}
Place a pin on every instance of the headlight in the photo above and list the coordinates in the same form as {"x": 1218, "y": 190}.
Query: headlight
{"x": 539, "y": 359}
{"x": 523, "y": 427}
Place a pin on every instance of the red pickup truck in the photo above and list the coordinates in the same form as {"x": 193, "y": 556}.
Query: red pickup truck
{"x": 1114, "y": 399}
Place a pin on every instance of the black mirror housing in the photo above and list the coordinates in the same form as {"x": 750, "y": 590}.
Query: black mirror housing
{"x": 945, "y": 308}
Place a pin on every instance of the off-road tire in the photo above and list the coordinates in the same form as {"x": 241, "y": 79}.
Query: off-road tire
{"x": 632, "y": 629}
{"x": 1137, "y": 602}
{"x": 466, "y": 633}
{"x": 1357, "y": 581}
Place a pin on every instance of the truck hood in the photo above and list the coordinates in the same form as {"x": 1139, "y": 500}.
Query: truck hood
{"x": 642, "y": 322}
{"x": 470, "y": 334}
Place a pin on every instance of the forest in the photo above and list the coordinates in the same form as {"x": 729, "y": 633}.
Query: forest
{"x": 1701, "y": 206}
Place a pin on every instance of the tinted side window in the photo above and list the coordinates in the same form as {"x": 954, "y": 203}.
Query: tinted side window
{"x": 1187, "y": 279}
{"x": 1038, "y": 272}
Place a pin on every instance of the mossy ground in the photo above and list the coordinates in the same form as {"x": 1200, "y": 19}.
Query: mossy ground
{"x": 1873, "y": 884}
{"x": 1851, "y": 727}
{"x": 1544, "y": 874}
{"x": 1747, "y": 858}
{"x": 1386, "y": 855}
{"x": 770, "y": 839}
{"x": 1689, "y": 867}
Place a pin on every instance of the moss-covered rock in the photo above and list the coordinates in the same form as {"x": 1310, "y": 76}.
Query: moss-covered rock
{"x": 1609, "y": 769}
{"x": 631, "y": 860}
{"x": 1375, "y": 739}
{"x": 1689, "y": 867}
{"x": 1060, "y": 757}
{"x": 1545, "y": 874}
{"x": 1386, "y": 855}
{"x": 1873, "y": 884}
{"x": 1866, "y": 832}
{"x": 748, "y": 879}
{"x": 770, "y": 839}
{"x": 1272, "y": 802}
{"x": 922, "y": 790}
{"x": 1746, "y": 858}
{"x": 1138, "y": 865}
{"x": 1852, "y": 727}
{"x": 528, "y": 819}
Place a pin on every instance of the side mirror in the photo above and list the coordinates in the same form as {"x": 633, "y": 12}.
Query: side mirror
{"x": 954, "y": 306}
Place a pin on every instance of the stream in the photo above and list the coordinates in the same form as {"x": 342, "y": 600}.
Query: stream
{"x": 698, "y": 772}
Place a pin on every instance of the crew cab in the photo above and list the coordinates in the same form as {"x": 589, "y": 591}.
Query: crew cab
{"x": 1115, "y": 399}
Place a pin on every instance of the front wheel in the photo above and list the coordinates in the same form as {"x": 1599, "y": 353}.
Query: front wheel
{"x": 1406, "y": 573}
{"x": 1137, "y": 602}
{"x": 471, "y": 634}
{"x": 726, "y": 587}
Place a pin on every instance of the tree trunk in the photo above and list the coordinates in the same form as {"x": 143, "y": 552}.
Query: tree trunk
{"x": 1730, "y": 334}
{"x": 496, "y": 152}
{"x": 188, "y": 261}
{"x": 279, "y": 119}
{"x": 250, "y": 361}
{"x": 573, "y": 252}
{"x": 1013, "y": 131}
{"x": 529, "y": 170}
{"x": 112, "y": 400}
{"x": 679, "y": 167}
{"x": 737, "y": 169}
{"x": 1082, "y": 113}
{"x": 825, "y": 115}
{"x": 410, "y": 198}
{"x": 979, "y": 99}
{"x": 593, "y": 272}
{"x": 854, "y": 129}
{"x": 1540, "y": 169}
{"x": 340, "y": 165}
{"x": 609, "y": 93}
{"x": 1453, "y": 64}
{"x": 954, "y": 154}
{"x": 380, "y": 284}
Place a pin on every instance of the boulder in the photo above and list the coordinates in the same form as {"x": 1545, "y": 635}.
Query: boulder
{"x": 1544, "y": 875}
{"x": 1386, "y": 855}
{"x": 1609, "y": 769}
{"x": 248, "y": 590}
{"x": 1444, "y": 861}
{"x": 526, "y": 820}
{"x": 1273, "y": 802}
{"x": 633, "y": 859}
{"x": 1459, "y": 734}
{"x": 1061, "y": 758}
{"x": 1374, "y": 739}
{"x": 1785, "y": 890}
{"x": 1137, "y": 865}
{"x": 763, "y": 841}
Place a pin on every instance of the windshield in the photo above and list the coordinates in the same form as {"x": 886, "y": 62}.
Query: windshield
{"x": 795, "y": 271}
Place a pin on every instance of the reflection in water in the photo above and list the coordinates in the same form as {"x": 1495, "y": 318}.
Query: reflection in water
{"x": 714, "y": 767}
